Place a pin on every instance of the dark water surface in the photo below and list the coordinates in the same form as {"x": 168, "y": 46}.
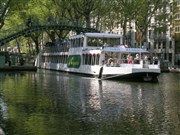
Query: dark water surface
{"x": 55, "y": 103}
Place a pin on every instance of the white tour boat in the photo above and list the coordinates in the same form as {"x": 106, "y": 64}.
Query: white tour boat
{"x": 100, "y": 55}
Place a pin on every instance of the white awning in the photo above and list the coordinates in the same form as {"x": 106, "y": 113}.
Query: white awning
{"x": 125, "y": 50}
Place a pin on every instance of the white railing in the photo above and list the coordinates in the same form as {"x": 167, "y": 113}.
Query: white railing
{"x": 142, "y": 64}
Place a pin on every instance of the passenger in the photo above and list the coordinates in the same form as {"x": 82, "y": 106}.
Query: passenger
{"x": 137, "y": 59}
{"x": 149, "y": 60}
{"x": 155, "y": 60}
{"x": 128, "y": 56}
{"x": 146, "y": 57}
{"x": 124, "y": 59}
{"x": 130, "y": 60}
{"x": 111, "y": 63}
{"x": 146, "y": 60}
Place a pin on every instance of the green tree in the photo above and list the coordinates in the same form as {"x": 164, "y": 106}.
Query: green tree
{"x": 149, "y": 9}
{"x": 85, "y": 8}
{"x": 104, "y": 15}
{"x": 4, "y": 6}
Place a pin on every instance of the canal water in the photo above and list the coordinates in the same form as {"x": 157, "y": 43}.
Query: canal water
{"x": 55, "y": 103}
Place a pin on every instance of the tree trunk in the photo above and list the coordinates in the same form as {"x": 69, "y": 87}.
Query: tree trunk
{"x": 18, "y": 46}
{"x": 88, "y": 21}
{"x": 37, "y": 46}
{"x": 36, "y": 41}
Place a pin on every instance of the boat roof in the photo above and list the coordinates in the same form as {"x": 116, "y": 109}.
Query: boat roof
{"x": 125, "y": 50}
{"x": 98, "y": 35}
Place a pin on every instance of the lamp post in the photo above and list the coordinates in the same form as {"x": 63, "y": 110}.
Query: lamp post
{"x": 141, "y": 31}
{"x": 130, "y": 36}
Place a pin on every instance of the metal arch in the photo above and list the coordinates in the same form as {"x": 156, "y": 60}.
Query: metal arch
{"x": 31, "y": 29}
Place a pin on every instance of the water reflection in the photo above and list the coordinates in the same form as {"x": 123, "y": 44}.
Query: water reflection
{"x": 58, "y": 103}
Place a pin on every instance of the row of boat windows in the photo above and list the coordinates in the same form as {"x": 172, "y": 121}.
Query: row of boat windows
{"x": 90, "y": 59}
{"x": 57, "y": 49}
{"x": 55, "y": 59}
{"x": 78, "y": 42}
{"x": 92, "y": 41}
{"x": 99, "y": 42}
{"x": 86, "y": 59}
{"x": 64, "y": 46}
{"x": 50, "y": 47}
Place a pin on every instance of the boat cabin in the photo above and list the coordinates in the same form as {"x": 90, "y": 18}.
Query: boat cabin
{"x": 121, "y": 55}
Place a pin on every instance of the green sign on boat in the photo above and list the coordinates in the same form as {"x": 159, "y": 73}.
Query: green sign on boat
{"x": 74, "y": 61}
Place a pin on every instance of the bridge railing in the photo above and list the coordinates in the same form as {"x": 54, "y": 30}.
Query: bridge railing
{"x": 34, "y": 23}
{"x": 7, "y": 32}
{"x": 62, "y": 22}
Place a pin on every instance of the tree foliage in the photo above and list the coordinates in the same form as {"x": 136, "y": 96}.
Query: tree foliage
{"x": 4, "y": 6}
{"x": 104, "y": 15}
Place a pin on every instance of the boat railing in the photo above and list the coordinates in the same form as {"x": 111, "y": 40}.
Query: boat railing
{"x": 53, "y": 49}
{"x": 135, "y": 64}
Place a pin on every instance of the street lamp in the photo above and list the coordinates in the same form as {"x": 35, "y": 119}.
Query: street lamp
{"x": 130, "y": 37}
{"x": 141, "y": 35}
{"x": 141, "y": 31}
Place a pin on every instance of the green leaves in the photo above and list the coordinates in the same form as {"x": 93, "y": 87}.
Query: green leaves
{"x": 103, "y": 15}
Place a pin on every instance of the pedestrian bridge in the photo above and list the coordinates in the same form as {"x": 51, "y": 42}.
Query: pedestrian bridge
{"x": 24, "y": 30}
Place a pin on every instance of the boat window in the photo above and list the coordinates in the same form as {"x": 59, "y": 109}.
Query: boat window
{"x": 93, "y": 41}
{"x": 42, "y": 57}
{"x": 48, "y": 58}
{"x": 155, "y": 45}
{"x": 81, "y": 42}
{"x": 62, "y": 58}
{"x": 78, "y": 42}
{"x": 45, "y": 59}
{"x": 164, "y": 44}
{"x": 97, "y": 59}
{"x": 73, "y": 43}
{"x": 170, "y": 46}
{"x": 90, "y": 59}
{"x": 159, "y": 45}
{"x": 70, "y": 42}
{"x": 93, "y": 59}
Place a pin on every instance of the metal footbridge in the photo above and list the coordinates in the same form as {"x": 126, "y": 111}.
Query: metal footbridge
{"x": 24, "y": 30}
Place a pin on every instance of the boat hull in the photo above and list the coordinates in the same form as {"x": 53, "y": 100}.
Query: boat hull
{"x": 140, "y": 77}
{"x": 112, "y": 73}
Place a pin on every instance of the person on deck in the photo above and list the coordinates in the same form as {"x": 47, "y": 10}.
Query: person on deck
{"x": 137, "y": 59}
{"x": 155, "y": 60}
{"x": 130, "y": 58}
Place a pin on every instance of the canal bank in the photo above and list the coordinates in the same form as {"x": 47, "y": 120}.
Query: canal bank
{"x": 15, "y": 62}
{"x": 175, "y": 70}
{"x": 18, "y": 68}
